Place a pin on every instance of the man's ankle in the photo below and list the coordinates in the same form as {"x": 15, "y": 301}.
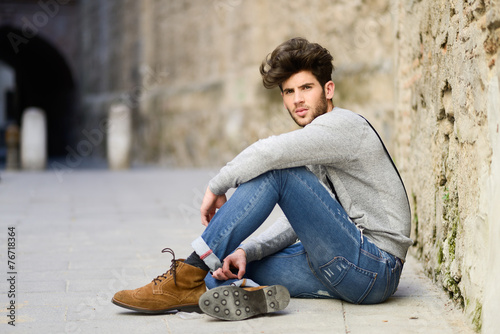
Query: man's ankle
{"x": 195, "y": 261}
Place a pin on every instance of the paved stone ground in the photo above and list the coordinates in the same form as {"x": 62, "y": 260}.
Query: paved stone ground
{"x": 82, "y": 235}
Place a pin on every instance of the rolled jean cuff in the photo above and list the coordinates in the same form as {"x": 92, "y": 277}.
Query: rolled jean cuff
{"x": 206, "y": 254}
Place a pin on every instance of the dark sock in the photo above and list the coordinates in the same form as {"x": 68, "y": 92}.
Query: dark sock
{"x": 195, "y": 261}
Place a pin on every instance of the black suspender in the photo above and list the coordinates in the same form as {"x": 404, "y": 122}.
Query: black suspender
{"x": 390, "y": 158}
{"x": 388, "y": 155}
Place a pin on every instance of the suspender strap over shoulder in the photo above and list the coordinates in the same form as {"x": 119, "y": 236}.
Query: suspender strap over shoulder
{"x": 390, "y": 158}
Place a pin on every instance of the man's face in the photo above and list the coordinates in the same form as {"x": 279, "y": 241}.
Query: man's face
{"x": 305, "y": 98}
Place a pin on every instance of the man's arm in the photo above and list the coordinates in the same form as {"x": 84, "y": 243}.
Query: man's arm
{"x": 329, "y": 139}
{"x": 275, "y": 238}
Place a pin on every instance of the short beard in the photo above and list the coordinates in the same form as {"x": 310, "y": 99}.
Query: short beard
{"x": 322, "y": 107}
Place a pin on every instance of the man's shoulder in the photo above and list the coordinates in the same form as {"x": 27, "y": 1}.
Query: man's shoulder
{"x": 338, "y": 116}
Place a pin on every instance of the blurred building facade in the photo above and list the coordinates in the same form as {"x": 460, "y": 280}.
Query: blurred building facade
{"x": 39, "y": 59}
{"x": 424, "y": 72}
{"x": 189, "y": 69}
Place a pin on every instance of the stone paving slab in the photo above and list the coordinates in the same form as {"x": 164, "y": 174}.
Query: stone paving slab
{"x": 82, "y": 236}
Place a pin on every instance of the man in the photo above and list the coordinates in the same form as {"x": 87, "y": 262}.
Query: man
{"x": 342, "y": 199}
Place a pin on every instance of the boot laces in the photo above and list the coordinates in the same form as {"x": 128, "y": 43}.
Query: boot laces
{"x": 172, "y": 269}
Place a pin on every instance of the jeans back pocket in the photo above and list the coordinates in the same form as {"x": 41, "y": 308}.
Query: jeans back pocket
{"x": 348, "y": 280}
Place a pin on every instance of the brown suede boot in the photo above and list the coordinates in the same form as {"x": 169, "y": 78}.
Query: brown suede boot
{"x": 179, "y": 289}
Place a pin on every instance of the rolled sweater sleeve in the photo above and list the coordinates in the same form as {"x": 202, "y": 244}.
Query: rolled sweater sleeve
{"x": 275, "y": 238}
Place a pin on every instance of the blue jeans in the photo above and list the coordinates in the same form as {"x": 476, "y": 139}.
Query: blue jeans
{"x": 332, "y": 260}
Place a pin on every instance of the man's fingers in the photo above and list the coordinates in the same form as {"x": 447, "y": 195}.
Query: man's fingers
{"x": 204, "y": 221}
{"x": 226, "y": 269}
{"x": 223, "y": 276}
{"x": 207, "y": 208}
{"x": 206, "y": 216}
{"x": 218, "y": 274}
{"x": 241, "y": 272}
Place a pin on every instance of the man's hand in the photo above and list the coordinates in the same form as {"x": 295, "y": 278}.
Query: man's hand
{"x": 237, "y": 260}
{"x": 209, "y": 205}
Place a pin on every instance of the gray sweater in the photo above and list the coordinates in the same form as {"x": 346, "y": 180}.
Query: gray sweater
{"x": 341, "y": 145}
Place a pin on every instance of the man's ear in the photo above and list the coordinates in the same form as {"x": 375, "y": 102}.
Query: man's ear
{"x": 329, "y": 90}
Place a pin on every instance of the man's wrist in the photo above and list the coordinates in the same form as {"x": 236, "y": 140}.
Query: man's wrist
{"x": 241, "y": 249}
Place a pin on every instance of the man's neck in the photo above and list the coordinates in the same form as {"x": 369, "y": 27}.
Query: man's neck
{"x": 330, "y": 105}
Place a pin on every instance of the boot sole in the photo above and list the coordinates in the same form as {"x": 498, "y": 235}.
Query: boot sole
{"x": 235, "y": 303}
{"x": 183, "y": 308}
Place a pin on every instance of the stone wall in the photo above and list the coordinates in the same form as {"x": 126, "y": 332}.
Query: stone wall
{"x": 447, "y": 121}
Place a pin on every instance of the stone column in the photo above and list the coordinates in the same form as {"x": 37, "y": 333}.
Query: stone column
{"x": 33, "y": 139}
{"x": 12, "y": 141}
{"x": 119, "y": 141}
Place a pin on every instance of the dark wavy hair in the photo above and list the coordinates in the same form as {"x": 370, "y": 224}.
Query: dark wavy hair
{"x": 295, "y": 55}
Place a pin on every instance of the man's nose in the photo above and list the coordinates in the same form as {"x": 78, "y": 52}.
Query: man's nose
{"x": 298, "y": 97}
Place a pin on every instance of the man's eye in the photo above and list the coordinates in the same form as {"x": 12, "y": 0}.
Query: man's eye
{"x": 288, "y": 92}
{"x": 307, "y": 87}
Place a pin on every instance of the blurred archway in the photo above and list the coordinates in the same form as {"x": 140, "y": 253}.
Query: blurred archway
{"x": 42, "y": 78}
